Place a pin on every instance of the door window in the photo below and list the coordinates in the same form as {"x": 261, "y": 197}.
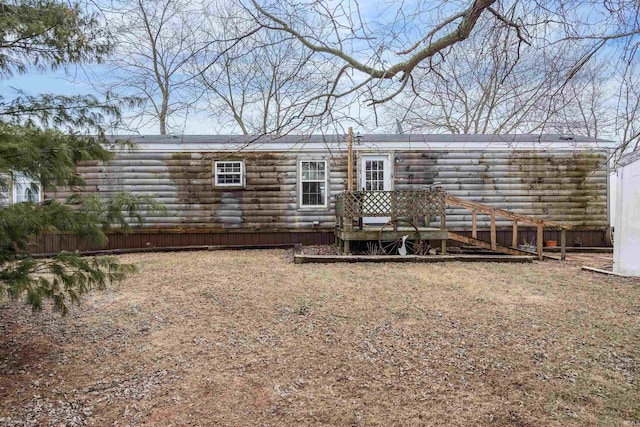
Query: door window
{"x": 374, "y": 175}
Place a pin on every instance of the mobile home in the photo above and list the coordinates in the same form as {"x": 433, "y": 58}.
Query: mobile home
{"x": 235, "y": 190}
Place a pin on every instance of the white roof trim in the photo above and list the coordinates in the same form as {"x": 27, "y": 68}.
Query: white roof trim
{"x": 629, "y": 158}
{"x": 381, "y": 147}
{"x": 372, "y": 143}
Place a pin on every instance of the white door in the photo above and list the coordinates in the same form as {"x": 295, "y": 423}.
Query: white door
{"x": 375, "y": 177}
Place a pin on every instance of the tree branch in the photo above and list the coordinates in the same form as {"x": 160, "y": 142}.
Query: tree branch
{"x": 469, "y": 19}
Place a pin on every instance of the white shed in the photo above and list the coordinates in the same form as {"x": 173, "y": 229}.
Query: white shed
{"x": 626, "y": 245}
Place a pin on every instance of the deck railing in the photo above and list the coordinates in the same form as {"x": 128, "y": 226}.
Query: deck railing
{"x": 393, "y": 204}
{"x": 517, "y": 218}
{"x": 431, "y": 203}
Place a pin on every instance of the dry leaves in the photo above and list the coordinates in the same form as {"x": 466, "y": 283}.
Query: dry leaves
{"x": 249, "y": 338}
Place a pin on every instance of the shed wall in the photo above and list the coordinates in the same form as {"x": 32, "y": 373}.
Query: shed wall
{"x": 626, "y": 248}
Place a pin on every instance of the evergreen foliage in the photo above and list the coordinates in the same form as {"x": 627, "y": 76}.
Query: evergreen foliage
{"x": 42, "y": 138}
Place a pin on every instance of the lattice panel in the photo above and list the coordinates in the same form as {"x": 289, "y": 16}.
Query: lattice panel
{"x": 395, "y": 204}
{"x": 374, "y": 203}
{"x": 434, "y": 202}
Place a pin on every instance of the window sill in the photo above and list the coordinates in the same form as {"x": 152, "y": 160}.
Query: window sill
{"x": 313, "y": 208}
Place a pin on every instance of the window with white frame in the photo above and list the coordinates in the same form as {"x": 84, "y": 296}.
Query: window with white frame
{"x": 313, "y": 183}
{"x": 25, "y": 189}
{"x": 228, "y": 173}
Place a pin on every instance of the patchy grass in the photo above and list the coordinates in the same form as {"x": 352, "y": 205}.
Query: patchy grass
{"x": 249, "y": 338}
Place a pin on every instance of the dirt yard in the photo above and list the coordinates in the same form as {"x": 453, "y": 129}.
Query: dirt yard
{"x": 249, "y": 338}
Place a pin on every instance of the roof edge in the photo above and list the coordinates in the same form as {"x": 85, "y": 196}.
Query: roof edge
{"x": 629, "y": 158}
{"x": 337, "y": 138}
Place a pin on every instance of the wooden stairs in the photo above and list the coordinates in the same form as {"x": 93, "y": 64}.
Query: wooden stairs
{"x": 430, "y": 203}
{"x": 494, "y": 213}
{"x": 498, "y": 248}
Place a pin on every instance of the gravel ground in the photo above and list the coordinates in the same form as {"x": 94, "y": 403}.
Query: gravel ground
{"x": 249, "y": 338}
{"x": 319, "y": 250}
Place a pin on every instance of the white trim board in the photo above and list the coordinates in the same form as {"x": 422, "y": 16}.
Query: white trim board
{"x": 372, "y": 147}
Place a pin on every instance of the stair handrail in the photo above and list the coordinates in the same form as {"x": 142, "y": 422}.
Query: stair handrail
{"x": 515, "y": 217}
{"x": 488, "y": 210}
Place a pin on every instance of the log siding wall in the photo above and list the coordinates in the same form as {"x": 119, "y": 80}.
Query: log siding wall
{"x": 569, "y": 187}
{"x": 560, "y": 185}
{"x": 183, "y": 183}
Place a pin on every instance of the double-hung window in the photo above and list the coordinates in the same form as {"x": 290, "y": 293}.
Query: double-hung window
{"x": 228, "y": 173}
{"x": 25, "y": 189}
{"x": 313, "y": 183}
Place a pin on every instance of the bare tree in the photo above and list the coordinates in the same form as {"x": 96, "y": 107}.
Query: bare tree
{"x": 586, "y": 103}
{"x": 259, "y": 90}
{"x": 341, "y": 31}
{"x": 382, "y": 49}
{"x": 269, "y": 66}
{"x": 155, "y": 40}
{"x": 257, "y": 84}
{"x": 495, "y": 84}
{"x": 602, "y": 101}
{"x": 257, "y": 81}
{"x": 627, "y": 119}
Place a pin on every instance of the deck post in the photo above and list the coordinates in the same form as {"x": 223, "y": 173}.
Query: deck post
{"x": 350, "y": 160}
{"x": 348, "y": 226}
{"x": 474, "y": 224}
{"x": 443, "y": 226}
{"x": 494, "y": 243}
{"x": 540, "y": 242}
{"x": 563, "y": 244}
{"x": 514, "y": 234}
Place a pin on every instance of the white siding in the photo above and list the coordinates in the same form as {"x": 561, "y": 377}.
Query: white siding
{"x": 626, "y": 248}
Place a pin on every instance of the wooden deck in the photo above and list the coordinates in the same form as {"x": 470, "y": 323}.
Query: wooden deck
{"x": 372, "y": 232}
{"x": 411, "y": 207}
